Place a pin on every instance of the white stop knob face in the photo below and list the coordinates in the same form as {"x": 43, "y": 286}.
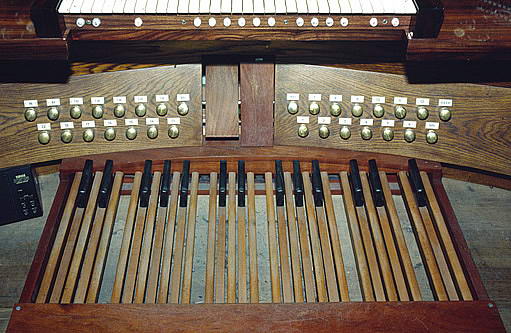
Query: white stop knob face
{"x": 344, "y": 22}
{"x": 373, "y": 22}
{"x": 271, "y": 21}
{"x": 314, "y": 22}
{"x": 241, "y": 22}
{"x": 227, "y": 22}
{"x": 138, "y": 22}
{"x": 329, "y": 22}
{"x": 256, "y": 21}
{"x": 197, "y": 22}
{"x": 212, "y": 22}
{"x": 300, "y": 22}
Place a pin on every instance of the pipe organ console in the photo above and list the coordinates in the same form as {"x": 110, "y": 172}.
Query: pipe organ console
{"x": 255, "y": 165}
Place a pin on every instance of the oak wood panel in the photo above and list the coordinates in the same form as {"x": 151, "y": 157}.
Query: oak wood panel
{"x": 326, "y": 317}
{"x": 477, "y": 136}
{"x": 20, "y": 144}
{"x": 222, "y": 94}
{"x": 257, "y": 90}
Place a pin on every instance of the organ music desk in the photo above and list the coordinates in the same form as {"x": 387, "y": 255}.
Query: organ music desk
{"x": 311, "y": 135}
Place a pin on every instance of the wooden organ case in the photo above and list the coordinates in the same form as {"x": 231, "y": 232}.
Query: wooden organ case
{"x": 255, "y": 165}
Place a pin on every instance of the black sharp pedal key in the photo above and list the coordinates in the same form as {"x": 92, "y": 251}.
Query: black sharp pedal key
{"x": 185, "y": 182}
{"x": 298, "y": 183}
{"x": 145, "y": 184}
{"x": 85, "y": 185}
{"x": 317, "y": 187}
{"x": 241, "y": 183}
{"x": 279, "y": 183}
{"x": 356, "y": 184}
{"x": 165, "y": 185}
{"x": 417, "y": 184}
{"x": 222, "y": 184}
{"x": 106, "y": 184}
{"x": 376, "y": 187}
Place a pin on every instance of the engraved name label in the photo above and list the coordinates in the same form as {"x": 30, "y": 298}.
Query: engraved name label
{"x": 378, "y": 99}
{"x": 432, "y": 125}
{"x": 302, "y": 119}
{"x": 44, "y": 127}
{"x": 53, "y": 102}
{"x": 76, "y": 101}
{"x": 119, "y": 99}
{"x": 357, "y": 99}
{"x": 67, "y": 125}
{"x": 97, "y": 100}
{"x": 88, "y": 123}
{"x": 162, "y": 98}
{"x": 400, "y": 100}
{"x": 183, "y": 97}
{"x": 140, "y": 99}
{"x": 344, "y": 121}
{"x": 173, "y": 121}
{"x": 335, "y": 98}
{"x": 31, "y": 103}
{"x": 422, "y": 101}
{"x": 409, "y": 124}
{"x": 110, "y": 122}
{"x": 445, "y": 102}
{"x": 315, "y": 97}
{"x": 131, "y": 122}
{"x": 366, "y": 122}
{"x": 293, "y": 97}
{"x": 324, "y": 120}
{"x": 152, "y": 121}
{"x": 388, "y": 123}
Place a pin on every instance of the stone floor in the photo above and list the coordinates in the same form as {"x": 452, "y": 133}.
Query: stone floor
{"x": 484, "y": 214}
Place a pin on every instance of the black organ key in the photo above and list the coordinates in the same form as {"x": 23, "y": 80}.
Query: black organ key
{"x": 106, "y": 184}
{"x": 298, "y": 183}
{"x": 222, "y": 184}
{"x": 417, "y": 185}
{"x": 165, "y": 185}
{"x": 376, "y": 186}
{"x": 85, "y": 185}
{"x": 241, "y": 183}
{"x": 279, "y": 183}
{"x": 356, "y": 184}
{"x": 185, "y": 182}
{"x": 145, "y": 184}
{"x": 317, "y": 187}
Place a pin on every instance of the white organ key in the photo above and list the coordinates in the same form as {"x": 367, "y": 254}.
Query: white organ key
{"x": 248, "y": 7}
{"x": 140, "y": 6}
{"x": 161, "y": 8}
{"x": 98, "y": 6}
{"x": 408, "y": 7}
{"x": 76, "y": 6}
{"x": 151, "y": 6}
{"x": 291, "y": 6}
{"x": 119, "y": 7}
{"x": 194, "y": 6}
{"x": 65, "y": 6}
{"x": 301, "y": 6}
{"x": 356, "y": 7}
{"x": 334, "y": 6}
{"x": 129, "y": 6}
{"x": 237, "y": 6}
{"x": 204, "y": 7}
{"x": 388, "y": 6}
{"x": 226, "y": 7}
{"x": 377, "y": 7}
{"x": 216, "y": 7}
{"x": 108, "y": 7}
{"x": 182, "y": 7}
{"x": 280, "y": 6}
{"x": 258, "y": 7}
{"x": 172, "y": 6}
{"x": 269, "y": 6}
{"x": 345, "y": 6}
{"x": 312, "y": 6}
{"x": 323, "y": 6}
{"x": 367, "y": 8}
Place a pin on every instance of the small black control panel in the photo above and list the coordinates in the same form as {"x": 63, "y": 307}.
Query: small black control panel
{"x": 20, "y": 197}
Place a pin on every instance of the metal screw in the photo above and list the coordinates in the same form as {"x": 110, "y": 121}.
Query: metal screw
{"x": 18, "y": 308}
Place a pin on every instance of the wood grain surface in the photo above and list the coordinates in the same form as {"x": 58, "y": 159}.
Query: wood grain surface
{"x": 327, "y": 317}
{"x": 20, "y": 143}
{"x": 477, "y": 136}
